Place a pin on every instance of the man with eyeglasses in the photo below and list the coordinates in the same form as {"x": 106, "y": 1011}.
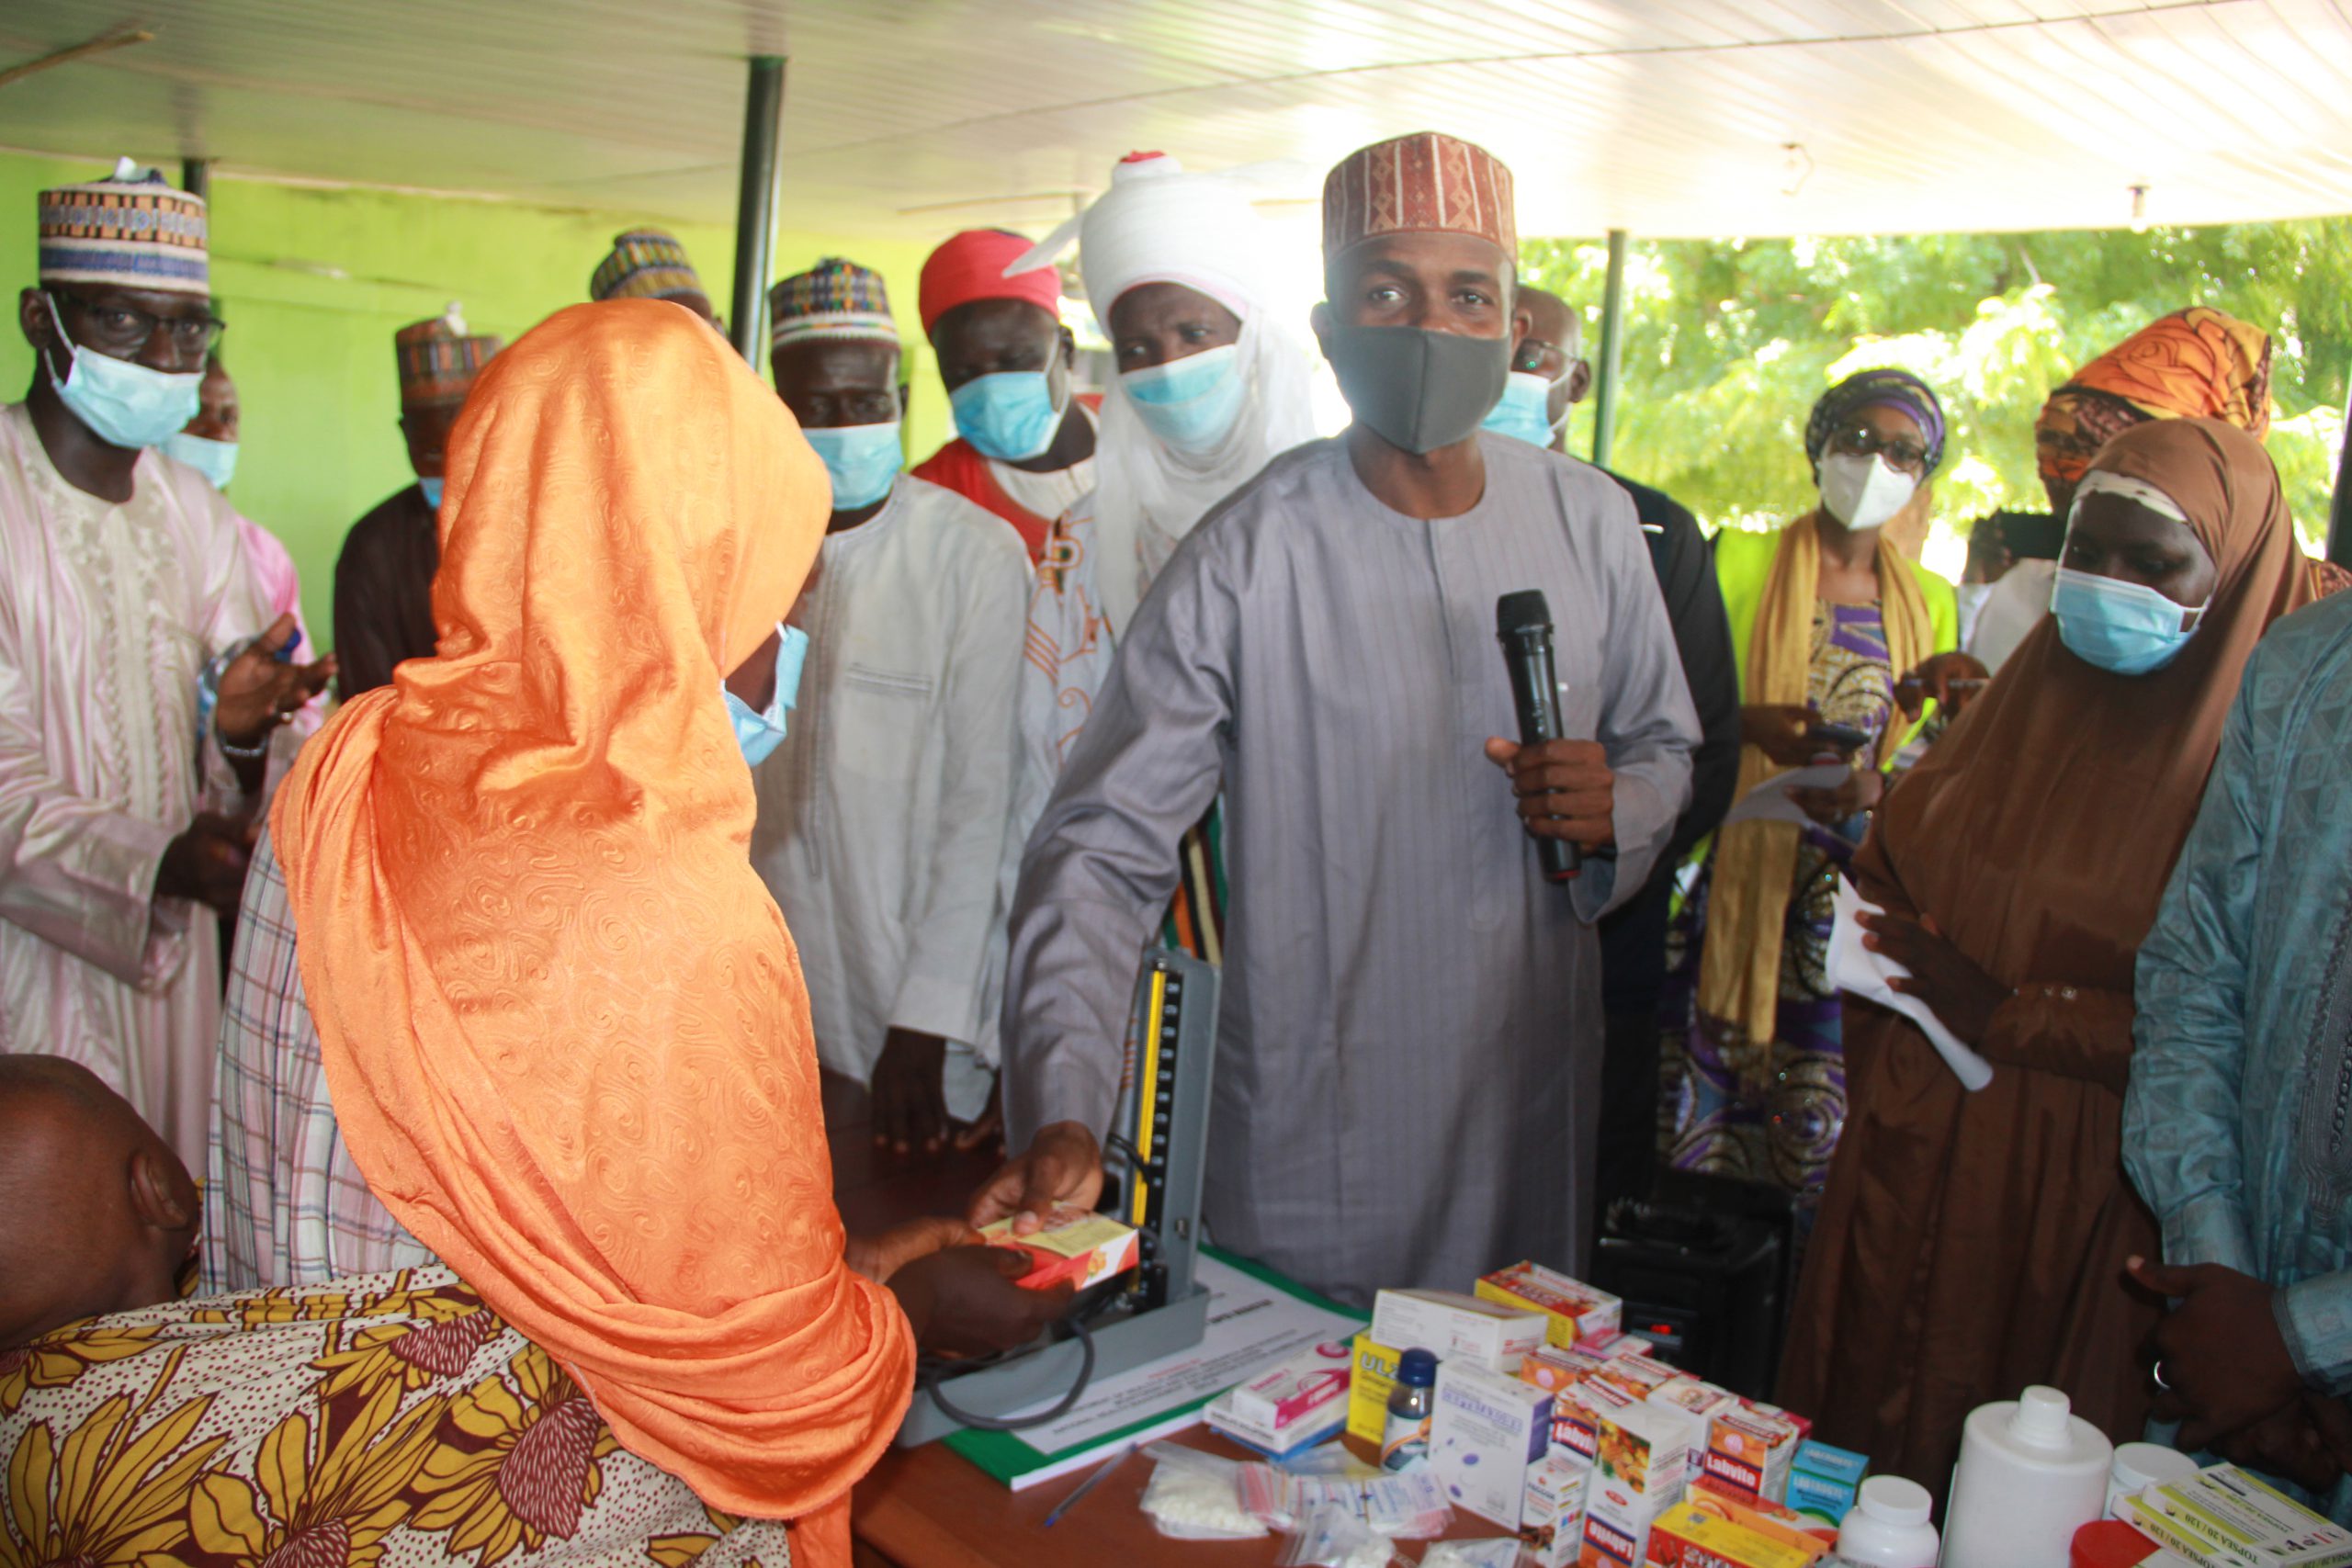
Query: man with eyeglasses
{"x": 883, "y": 812}
{"x": 147, "y": 695}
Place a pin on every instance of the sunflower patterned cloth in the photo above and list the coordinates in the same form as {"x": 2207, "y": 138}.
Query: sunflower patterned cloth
{"x": 378, "y": 1421}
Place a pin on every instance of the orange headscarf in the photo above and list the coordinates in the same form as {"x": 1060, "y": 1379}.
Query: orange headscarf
{"x": 562, "y": 1021}
{"x": 2194, "y": 364}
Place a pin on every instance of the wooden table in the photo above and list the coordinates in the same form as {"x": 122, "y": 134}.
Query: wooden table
{"x": 927, "y": 1507}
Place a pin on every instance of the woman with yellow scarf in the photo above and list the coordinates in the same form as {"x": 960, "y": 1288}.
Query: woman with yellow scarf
{"x": 1825, "y": 615}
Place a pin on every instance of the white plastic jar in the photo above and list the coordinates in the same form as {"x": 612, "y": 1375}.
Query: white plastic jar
{"x": 1888, "y": 1526}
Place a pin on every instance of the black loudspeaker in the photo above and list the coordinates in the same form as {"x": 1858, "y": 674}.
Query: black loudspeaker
{"x": 1706, "y": 1270}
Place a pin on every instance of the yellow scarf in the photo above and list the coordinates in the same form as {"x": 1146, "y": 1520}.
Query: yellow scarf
{"x": 1739, "y": 967}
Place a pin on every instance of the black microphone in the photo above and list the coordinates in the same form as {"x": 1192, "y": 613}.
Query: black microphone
{"x": 1523, "y": 625}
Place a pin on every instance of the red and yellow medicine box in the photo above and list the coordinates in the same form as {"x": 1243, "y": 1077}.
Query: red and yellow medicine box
{"x": 1688, "y": 1535}
{"x": 1573, "y": 1310}
{"x": 1770, "y": 1520}
{"x": 1076, "y": 1246}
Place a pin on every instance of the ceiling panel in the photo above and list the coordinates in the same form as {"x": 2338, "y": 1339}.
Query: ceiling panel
{"x": 907, "y": 118}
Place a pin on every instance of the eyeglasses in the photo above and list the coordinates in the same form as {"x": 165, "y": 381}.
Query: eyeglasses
{"x": 1905, "y": 457}
{"x": 1536, "y": 357}
{"x": 124, "y": 329}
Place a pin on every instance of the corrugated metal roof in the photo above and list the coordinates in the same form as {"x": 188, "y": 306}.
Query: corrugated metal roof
{"x": 905, "y": 117}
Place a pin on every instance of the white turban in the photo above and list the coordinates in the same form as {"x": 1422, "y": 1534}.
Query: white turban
{"x": 1159, "y": 224}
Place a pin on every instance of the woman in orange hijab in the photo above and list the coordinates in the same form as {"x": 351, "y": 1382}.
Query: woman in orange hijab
{"x": 562, "y": 1021}
{"x": 1971, "y": 1244}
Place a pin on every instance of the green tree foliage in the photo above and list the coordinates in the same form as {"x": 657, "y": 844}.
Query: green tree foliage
{"x": 1729, "y": 342}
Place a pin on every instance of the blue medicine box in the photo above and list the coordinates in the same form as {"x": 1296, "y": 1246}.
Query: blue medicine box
{"x": 1825, "y": 1481}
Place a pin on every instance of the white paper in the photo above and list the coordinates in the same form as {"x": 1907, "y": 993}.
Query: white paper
{"x": 1853, "y": 967}
{"x": 1251, "y": 1324}
{"x": 1770, "y": 802}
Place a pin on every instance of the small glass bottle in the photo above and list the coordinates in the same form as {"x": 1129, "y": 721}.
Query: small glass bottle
{"x": 1406, "y": 1440}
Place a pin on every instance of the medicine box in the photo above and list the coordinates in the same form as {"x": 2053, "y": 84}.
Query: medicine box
{"x": 1552, "y": 1369}
{"x": 1371, "y": 1377}
{"x": 1302, "y": 1395}
{"x": 1823, "y": 1482}
{"x": 1297, "y": 1386}
{"x": 1603, "y": 1347}
{"x": 1751, "y": 1451}
{"x": 1453, "y": 1326}
{"x": 1551, "y": 1518}
{"x": 1703, "y": 1400}
{"x": 1076, "y": 1244}
{"x": 1686, "y": 1536}
{"x": 1606, "y": 1546}
{"x": 1572, "y": 1309}
{"x": 1576, "y": 1411}
{"x": 2224, "y": 1513}
{"x": 1487, "y": 1429}
{"x": 1637, "y": 1375}
{"x": 1616, "y": 1524}
{"x": 1646, "y": 1448}
{"x": 1770, "y": 1520}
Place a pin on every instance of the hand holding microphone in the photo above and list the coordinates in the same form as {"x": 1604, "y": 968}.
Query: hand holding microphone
{"x": 1566, "y": 792}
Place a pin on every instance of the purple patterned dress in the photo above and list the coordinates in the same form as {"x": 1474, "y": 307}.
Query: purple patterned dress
{"x": 1770, "y": 1112}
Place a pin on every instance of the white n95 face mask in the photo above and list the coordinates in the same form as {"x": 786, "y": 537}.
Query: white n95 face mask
{"x": 1864, "y": 493}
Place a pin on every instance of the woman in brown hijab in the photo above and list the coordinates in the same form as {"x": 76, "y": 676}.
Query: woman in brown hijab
{"x": 1971, "y": 1244}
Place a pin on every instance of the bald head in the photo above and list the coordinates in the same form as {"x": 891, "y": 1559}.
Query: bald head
{"x": 1553, "y": 323}
{"x": 96, "y": 1213}
{"x": 1552, "y": 347}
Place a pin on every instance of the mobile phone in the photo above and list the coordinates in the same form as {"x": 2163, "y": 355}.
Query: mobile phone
{"x": 1838, "y": 736}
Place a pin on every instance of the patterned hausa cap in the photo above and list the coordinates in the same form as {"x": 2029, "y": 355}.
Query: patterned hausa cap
{"x": 645, "y": 263}
{"x": 835, "y": 298}
{"x": 438, "y": 360}
{"x": 132, "y": 230}
{"x": 1421, "y": 184}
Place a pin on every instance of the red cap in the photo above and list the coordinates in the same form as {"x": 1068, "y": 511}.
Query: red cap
{"x": 971, "y": 266}
{"x": 2110, "y": 1543}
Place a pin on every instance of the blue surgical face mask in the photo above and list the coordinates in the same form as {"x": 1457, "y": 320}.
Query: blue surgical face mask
{"x": 1191, "y": 404}
{"x": 1011, "y": 416}
{"x": 862, "y": 458}
{"x": 216, "y": 461}
{"x": 1525, "y": 410}
{"x": 432, "y": 489}
{"x": 759, "y": 734}
{"x": 2123, "y": 628}
{"x": 124, "y": 404}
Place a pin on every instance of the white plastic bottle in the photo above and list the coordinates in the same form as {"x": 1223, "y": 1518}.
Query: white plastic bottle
{"x": 2030, "y": 1475}
{"x": 2139, "y": 1466}
{"x": 1888, "y": 1526}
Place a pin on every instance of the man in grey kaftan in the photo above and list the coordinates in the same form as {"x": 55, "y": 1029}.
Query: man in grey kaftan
{"x": 1410, "y": 1054}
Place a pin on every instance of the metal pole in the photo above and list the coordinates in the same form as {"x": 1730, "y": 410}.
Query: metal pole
{"x": 1613, "y": 342}
{"x": 196, "y": 178}
{"x": 2339, "y": 514}
{"x": 755, "y": 203}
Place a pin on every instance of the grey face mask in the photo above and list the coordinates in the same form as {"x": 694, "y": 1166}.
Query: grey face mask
{"x": 1417, "y": 389}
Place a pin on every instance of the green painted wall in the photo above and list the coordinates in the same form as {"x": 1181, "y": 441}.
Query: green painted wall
{"x": 314, "y": 282}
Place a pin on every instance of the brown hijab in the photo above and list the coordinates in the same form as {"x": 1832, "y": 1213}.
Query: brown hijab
{"x": 2039, "y": 835}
